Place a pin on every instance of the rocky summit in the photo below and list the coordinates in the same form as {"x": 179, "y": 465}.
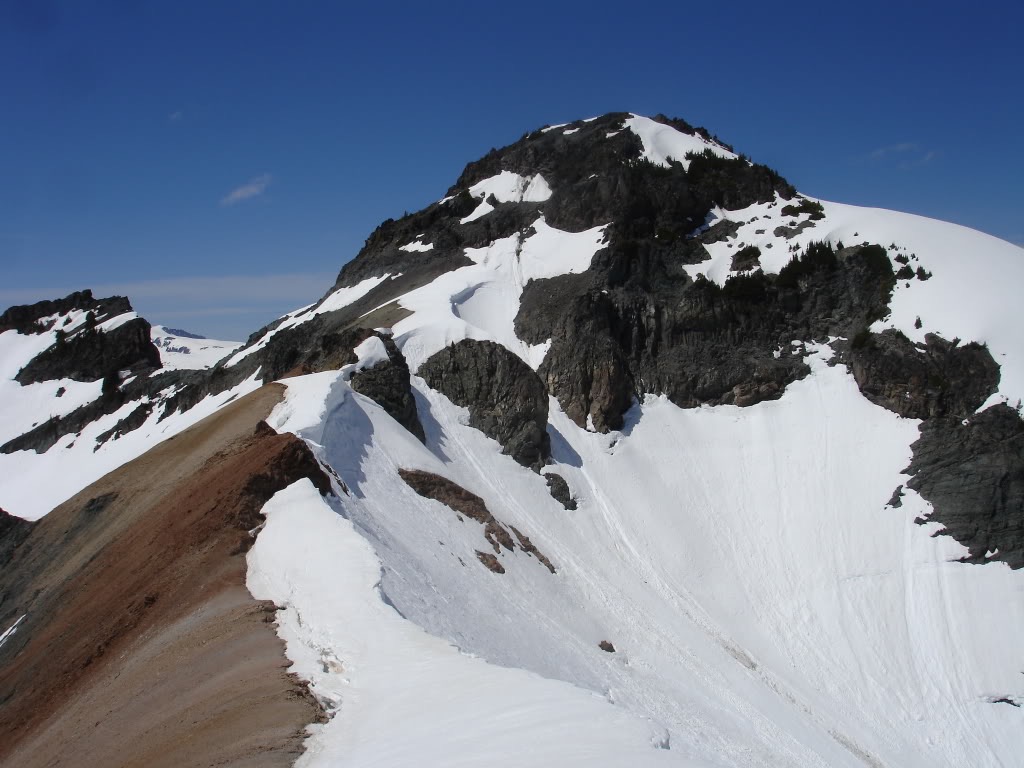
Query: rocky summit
{"x": 623, "y": 449}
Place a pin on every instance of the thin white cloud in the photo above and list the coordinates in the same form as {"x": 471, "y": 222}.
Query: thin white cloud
{"x": 176, "y": 116}
{"x": 251, "y": 189}
{"x": 191, "y": 292}
{"x": 220, "y": 307}
{"x": 893, "y": 149}
{"x": 907, "y": 154}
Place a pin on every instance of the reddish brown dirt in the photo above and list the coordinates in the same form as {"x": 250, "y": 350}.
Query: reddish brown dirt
{"x": 141, "y": 645}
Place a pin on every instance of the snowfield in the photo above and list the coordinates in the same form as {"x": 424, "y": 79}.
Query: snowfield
{"x": 32, "y": 484}
{"x": 189, "y": 352}
{"x": 767, "y": 608}
{"x": 962, "y": 262}
{"x": 765, "y": 604}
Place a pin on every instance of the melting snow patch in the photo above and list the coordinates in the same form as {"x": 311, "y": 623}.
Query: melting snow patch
{"x": 415, "y": 246}
{"x": 663, "y": 142}
{"x": 508, "y": 187}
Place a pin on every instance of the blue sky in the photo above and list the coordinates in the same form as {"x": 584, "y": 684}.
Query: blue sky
{"x": 220, "y": 161}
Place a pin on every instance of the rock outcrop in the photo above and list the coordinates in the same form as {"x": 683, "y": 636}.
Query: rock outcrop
{"x": 83, "y": 350}
{"x": 90, "y": 354}
{"x": 972, "y": 471}
{"x": 38, "y": 317}
{"x": 921, "y": 381}
{"x": 463, "y": 502}
{"x": 636, "y": 323}
{"x": 505, "y": 397}
{"x": 387, "y": 384}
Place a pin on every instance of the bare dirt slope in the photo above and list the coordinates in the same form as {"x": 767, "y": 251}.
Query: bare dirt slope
{"x": 141, "y": 645}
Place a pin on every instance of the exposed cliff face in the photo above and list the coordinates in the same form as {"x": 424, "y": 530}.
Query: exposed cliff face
{"x": 637, "y": 324}
{"x": 505, "y": 398}
{"x": 938, "y": 378}
{"x": 972, "y": 471}
{"x": 92, "y": 354}
{"x": 39, "y": 317}
{"x": 387, "y": 384}
{"x": 83, "y": 350}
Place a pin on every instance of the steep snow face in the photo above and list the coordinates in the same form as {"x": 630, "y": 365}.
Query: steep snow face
{"x": 959, "y": 264}
{"x": 507, "y": 187}
{"x": 22, "y": 407}
{"x": 766, "y": 607}
{"x": 663, "y": 142}
{"x": 34, "y": 483}
{"x": 339, "y": 299}
{"x": 187, "y": 352}
{"x": 481, "y": 301}
{"x": 401, "y": 696}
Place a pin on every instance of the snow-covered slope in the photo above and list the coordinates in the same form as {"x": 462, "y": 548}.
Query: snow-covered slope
{"x": 971, "y": 288}
{"x": 766, "y": 605}
{"x": 736, "y": 586}
{"x": 179, "y": 350}
{"x": 34, "y": 483}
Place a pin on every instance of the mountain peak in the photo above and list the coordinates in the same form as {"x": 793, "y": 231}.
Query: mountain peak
{"x": 622, "y": 412}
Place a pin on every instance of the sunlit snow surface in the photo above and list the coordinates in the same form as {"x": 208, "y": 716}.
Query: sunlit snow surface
{"x": 31, "y": 484}
{"x": 972, "y": 293}
{"x": 766, "y": 607}
{"x": 184, "y": 352}
{"x": 663, "y": 142}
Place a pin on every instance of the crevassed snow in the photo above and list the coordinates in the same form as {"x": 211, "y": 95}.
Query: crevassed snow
{"x": 340, "y": 299}
{"x": 482, "y": 300}
{"x": 417, "y": 246}
{"x": 971, "y": 295}
{"x": 36, "y": 483}
{"x": 663, "y": 142}
{"x": 401, "y": 697}
{"x": 188, "y": 353}
{"x": 766, "y": 607}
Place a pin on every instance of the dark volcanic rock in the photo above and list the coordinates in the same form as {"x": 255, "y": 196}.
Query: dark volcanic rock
{"x": 27, "y": 318}
{"x": 746, "y": 258}
{"x": 387, "y": 384}
{"x": 972, "y": 471}
{"x": 636, "y": 323}
{"x": 505, "y": 398}
{"x": 90, "y": 354}
{"x": 456, "y": 497}
{"x": 559, "y": 490}
{"x": 937, "y": 378}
